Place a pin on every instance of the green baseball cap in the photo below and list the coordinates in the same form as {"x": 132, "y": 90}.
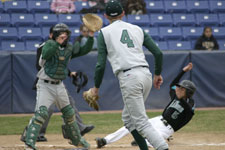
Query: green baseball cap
{"x": 113, "y": 8}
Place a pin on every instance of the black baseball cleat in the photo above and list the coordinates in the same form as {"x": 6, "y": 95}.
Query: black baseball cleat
{"x": 170, "y": 138}
{"x": 100, "y": 142}
{"x": 134, "y": 143}
{"x": 41, "y": 138}
{"x": 87, "y": 129}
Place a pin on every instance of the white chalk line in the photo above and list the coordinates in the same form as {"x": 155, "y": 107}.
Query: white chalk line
{"x": 209, "y": 144}
{"x": 114, "y": 145}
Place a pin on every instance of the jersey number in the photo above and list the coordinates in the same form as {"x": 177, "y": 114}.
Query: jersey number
{"x": 125, "y": 39}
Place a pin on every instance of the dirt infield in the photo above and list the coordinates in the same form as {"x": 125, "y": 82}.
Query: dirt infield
{"x": 181, "y": 141}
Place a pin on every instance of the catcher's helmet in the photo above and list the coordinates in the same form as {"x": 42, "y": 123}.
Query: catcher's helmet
{"x": 113, "y": 8}
{"x": 59, "y": 28}
{"x": 189, "y": 86}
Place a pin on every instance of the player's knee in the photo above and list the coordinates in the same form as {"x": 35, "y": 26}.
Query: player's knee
{"x": 41, "y": 115}
{"x": 163, "y": 146}
{"x": 68, "y": 114}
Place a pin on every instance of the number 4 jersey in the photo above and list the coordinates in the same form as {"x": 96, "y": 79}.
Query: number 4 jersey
{"x": 124, "y": 45}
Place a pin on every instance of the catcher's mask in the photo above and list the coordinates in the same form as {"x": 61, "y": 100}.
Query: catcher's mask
{"x": 58, "y": 29}
{"x": 189, "y": 86}
{"x": 80, "y": 80}
{"x": 113, "y": 8}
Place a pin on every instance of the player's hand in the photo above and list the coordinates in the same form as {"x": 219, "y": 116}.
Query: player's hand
{"x": 61, "y": 38}
{"x": 94, "y": 90}
{"x": 73, "y": 74}
{"x": 91, "y": 33}
{"x": 91, "y": 97}
{"x": 158, "y": 80}
{"x": 188, "y": 67}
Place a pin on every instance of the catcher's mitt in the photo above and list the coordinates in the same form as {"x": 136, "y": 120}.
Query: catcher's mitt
{"x": 91, "y": 99}
{"x": 80, "y": 80}
{"x": 92, "y": 21}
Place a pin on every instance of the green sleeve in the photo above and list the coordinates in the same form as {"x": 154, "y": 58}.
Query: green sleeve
{"x": 49, "y": 49}
{"x": 154, "y": 49}
{"x": 80, "y": 51}
{"x": 100, "y": 66}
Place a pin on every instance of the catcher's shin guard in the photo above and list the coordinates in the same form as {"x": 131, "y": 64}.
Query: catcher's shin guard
{"x": 71, "y": 128}
{"x": 35, "y": 125}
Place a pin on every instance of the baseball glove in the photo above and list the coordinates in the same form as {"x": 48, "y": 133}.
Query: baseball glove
{"x": 91, "y": 99}
{"x": 80, "y": 80}
{"x": 92, "y": 21}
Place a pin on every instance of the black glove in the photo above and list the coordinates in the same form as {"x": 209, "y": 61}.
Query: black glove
{"x": 80, "y": 80}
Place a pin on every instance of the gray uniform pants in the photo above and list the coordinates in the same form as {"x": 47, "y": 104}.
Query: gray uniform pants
{"x": 135, "y": 85}
{"x": 51, "y": 110}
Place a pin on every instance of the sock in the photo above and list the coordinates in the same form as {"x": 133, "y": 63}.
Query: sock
{"x": 140, "y": 140}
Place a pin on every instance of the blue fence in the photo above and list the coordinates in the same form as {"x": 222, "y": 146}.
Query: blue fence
{"x": 18, "y": 74}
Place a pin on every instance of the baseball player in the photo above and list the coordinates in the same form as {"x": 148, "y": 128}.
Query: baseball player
{"x": 177, "y": 113}
{"x": 56, "y": 54}
{"x": 82, "y": 127}
{"x": 121, "y": 43}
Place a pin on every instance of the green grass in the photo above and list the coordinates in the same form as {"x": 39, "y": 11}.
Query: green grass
{"x": 210, "y": 121}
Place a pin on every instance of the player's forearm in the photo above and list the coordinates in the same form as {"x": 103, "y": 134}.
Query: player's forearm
{"x": 158, "y": 62}
{"x": 87, "y": 47}
{"x": 99, "y": 73}
{"x": 177, "y": 79}
{"x": 84, "y": 49}
{"x": 100, "y": 66}
{"x": 154, "y": 49}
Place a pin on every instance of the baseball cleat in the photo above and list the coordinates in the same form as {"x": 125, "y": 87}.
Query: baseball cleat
{"x": 41, "y": 138}
{"x": 100, "y": 142}
{"x": 87, "y": 129}
{"x": 134, "y": 143}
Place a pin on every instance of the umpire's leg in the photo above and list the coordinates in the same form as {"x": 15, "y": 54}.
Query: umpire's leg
{"x": 78, "y": 117}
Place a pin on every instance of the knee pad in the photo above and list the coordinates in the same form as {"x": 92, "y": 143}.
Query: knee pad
{"x": 68, "y": 114}
{"x": 41, "y": 115}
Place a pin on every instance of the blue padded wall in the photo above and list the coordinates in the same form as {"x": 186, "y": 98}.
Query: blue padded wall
{"x": 5, "y": 83}
{"x": 18, "y": 74}
{"x": 209, "y": 76}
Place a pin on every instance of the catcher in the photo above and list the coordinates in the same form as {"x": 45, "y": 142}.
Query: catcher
{"x": 79, "y": 79}
{"x": 56, "y": 54}
{"x": 176, "y": 115}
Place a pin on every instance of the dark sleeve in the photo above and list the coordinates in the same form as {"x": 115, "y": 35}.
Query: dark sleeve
{"x": 216, "y": 47}
{"x": 38, "y": 55}
{"x": 78, "y": 39}
{"x": 100, "y": 66}
{"x": 83, "y": 50}
{"x": 173, "y": 83}
{"x": 69, "y": 72}
{"x": 198, "y": 44}
{"x": 154, "y": 49}
{"x": 49, "y": 49}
